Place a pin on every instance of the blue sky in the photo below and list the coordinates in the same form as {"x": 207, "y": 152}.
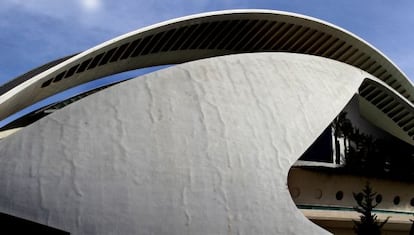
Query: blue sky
{"x": 33, "y": 32}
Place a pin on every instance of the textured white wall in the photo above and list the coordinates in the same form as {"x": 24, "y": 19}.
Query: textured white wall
{"x": 199, "y": 148}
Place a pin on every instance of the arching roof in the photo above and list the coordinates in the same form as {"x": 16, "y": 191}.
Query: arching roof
{"x": 200, "y": 36}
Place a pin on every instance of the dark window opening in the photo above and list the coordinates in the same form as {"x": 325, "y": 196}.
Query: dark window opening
{"x": 378, "y": 198}
{"x": 353, "y": 145}
{"x": 47, "y": 83}
{"x": 84, "y": 65}
{"x": 151, "y": 44}
{"x": 396, "y": 200}
{"x": 339, "y": 195}
{"x": 107, "y": 56}
{"x": 173, "y": 39}
{"x": 130, "y": 49}
{"x": 59, "y": 76}
{"x": 95, "y": 61}
{"x": 141, "y": 46}
{"x": 321, "y": 149}
{"x": 119, "y": 52}
{"x": 71, "y": 71}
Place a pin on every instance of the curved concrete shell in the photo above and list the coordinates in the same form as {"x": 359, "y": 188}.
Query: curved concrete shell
{"x": 203, "y": 147}
{"x": 199, "y": 148}
{"x": 200, "y": 36}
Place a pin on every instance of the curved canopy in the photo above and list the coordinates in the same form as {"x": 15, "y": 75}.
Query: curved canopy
{"x": 200, "y": 36}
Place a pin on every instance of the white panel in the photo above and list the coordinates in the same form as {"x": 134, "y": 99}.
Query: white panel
{"x": 199, "y": 148}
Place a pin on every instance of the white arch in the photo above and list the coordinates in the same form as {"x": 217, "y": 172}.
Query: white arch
{"x": 160, "y": 44}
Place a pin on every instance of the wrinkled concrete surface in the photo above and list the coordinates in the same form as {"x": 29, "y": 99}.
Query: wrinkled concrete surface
{"x": 199, "y": 148}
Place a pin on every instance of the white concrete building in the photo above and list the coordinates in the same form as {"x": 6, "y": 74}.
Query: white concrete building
{"x": 206, "y": 146}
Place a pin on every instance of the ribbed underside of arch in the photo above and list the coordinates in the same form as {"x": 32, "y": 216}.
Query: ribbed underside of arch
{"x": 201, "y": 36}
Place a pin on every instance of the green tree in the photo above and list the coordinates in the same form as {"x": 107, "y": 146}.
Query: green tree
{"x": 368, "y": 224}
